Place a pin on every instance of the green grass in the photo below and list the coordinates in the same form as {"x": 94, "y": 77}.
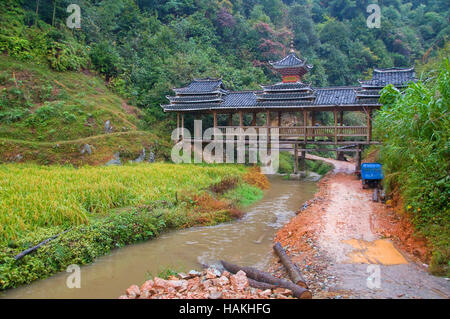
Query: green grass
{"x": 104, "y": 208}
{"x": 287, "y": 165}
{"x": 38, "y": 104}
{"x": 245, "y": 194}
{"x": 46, "y": 117}
{"x": 37, "y": 196}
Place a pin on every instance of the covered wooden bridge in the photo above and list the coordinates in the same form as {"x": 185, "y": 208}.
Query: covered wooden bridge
{"x": 293, "y": 108}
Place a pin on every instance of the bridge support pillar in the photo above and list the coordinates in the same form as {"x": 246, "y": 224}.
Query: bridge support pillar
{"x": 358, "y": 158}
{"x": 303, "y": 159}
{"x": 295, "y": 158}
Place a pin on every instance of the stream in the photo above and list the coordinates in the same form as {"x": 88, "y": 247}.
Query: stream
{"x": 246, "y": 242}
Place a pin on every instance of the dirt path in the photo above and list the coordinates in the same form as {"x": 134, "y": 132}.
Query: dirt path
{"x": 339, "y": 242}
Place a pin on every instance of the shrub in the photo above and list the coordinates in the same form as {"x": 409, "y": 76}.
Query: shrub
{"x": 415, "y": 129}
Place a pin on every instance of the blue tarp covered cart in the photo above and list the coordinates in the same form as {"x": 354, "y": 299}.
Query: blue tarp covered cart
{"x": 371, "y": 174}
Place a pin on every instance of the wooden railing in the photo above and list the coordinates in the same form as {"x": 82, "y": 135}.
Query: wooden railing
{"x": 304, "y": 131}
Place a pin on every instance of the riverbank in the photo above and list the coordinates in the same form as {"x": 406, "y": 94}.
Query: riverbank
{"x": 245, "y": 241}
{"x": 342, "y": 238}
{"x": 98, "y": 209}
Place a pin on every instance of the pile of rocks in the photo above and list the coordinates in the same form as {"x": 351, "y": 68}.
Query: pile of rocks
{"x": 209, "y": 284}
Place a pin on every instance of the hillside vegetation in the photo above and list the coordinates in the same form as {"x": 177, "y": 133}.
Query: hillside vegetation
{"x": 48, "y": 117}
{"x": 144, "y": 48}
{"x": 415, "y": 130}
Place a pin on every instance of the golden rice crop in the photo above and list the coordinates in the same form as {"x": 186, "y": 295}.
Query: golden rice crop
{"x": 34, "y": 196}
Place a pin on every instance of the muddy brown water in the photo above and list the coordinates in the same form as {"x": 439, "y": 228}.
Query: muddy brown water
{"x": 247, "y": 241}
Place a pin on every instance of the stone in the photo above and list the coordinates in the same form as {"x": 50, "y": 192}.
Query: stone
{"x": 207, "y": 283}
{"x": 86, "y": 149}
{"x": 222, "y": 281}
{"x": 108, "y": 127}
{"x": 178, "y": 284}
{"x": 239, "y": 281}
{"x": 194, "y": 273}
{"x": 215, "y": 295}
{"x": 212, "y": 273}
{"x": 115, "y": 160}
{"x": 151, "y": 157}
{"x": 266, "y": 293}
{"x": 141, "y": 157}
{"x": 133, "y": 291}
{"x": 184, "y": 276}
{"x": 147, "y": 286}
{"x": 161, "y": 283}
{"x": 18, "y": 157}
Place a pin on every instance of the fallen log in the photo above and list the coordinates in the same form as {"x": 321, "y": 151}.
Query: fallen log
{"x": 264, "y": 277}
{"x": 291, "y": 268}
{"x": 260, "y": 285}
{"x": 30, "y": 250}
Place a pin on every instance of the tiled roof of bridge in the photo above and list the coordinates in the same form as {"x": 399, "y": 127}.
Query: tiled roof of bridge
{"x": 295, "y": 86}
{"x": 210, "y": 94}
{"x": 195, "y": 98}
{"x": 199, "y": 86}
{"x": 238, "y": 99}
{"x": 285, "y": 96}
{"x": 395, "y": 76}
{"x": 335, "y": 96}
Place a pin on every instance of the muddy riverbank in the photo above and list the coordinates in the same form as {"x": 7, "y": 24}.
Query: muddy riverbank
{"x": 350, "y": 247}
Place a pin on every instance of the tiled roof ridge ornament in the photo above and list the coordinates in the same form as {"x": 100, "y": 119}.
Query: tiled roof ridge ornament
{"x": 291, "y": 67}
{"x": 208, "y": 79}
{"x": 394, "y": 69}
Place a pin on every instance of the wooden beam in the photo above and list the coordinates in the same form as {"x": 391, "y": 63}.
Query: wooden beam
{"x": 215, "y": 118}
{"x": 230, "y": 119}
{"x": 254, "y": 119}
{"x": 335, "y": 125}
{"x": 358, "y": 158}
{"x": 241, "y": 119}
{"x": 295, "y": 159}
{"x": 305, "y": 123}
{"x": 369, "y": 125}
{"x": 279, "y": 118}
{"x": 182, "y": 125}
{"x": 303, "y": 159}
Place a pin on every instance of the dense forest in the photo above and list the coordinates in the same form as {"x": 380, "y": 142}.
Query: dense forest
{"x": 144, "y": 48}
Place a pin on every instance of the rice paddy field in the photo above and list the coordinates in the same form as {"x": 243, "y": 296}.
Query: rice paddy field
{"x": 33, "y": 197}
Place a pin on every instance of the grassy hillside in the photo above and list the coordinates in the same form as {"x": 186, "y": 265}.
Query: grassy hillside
{"x": 47, "y": 117}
